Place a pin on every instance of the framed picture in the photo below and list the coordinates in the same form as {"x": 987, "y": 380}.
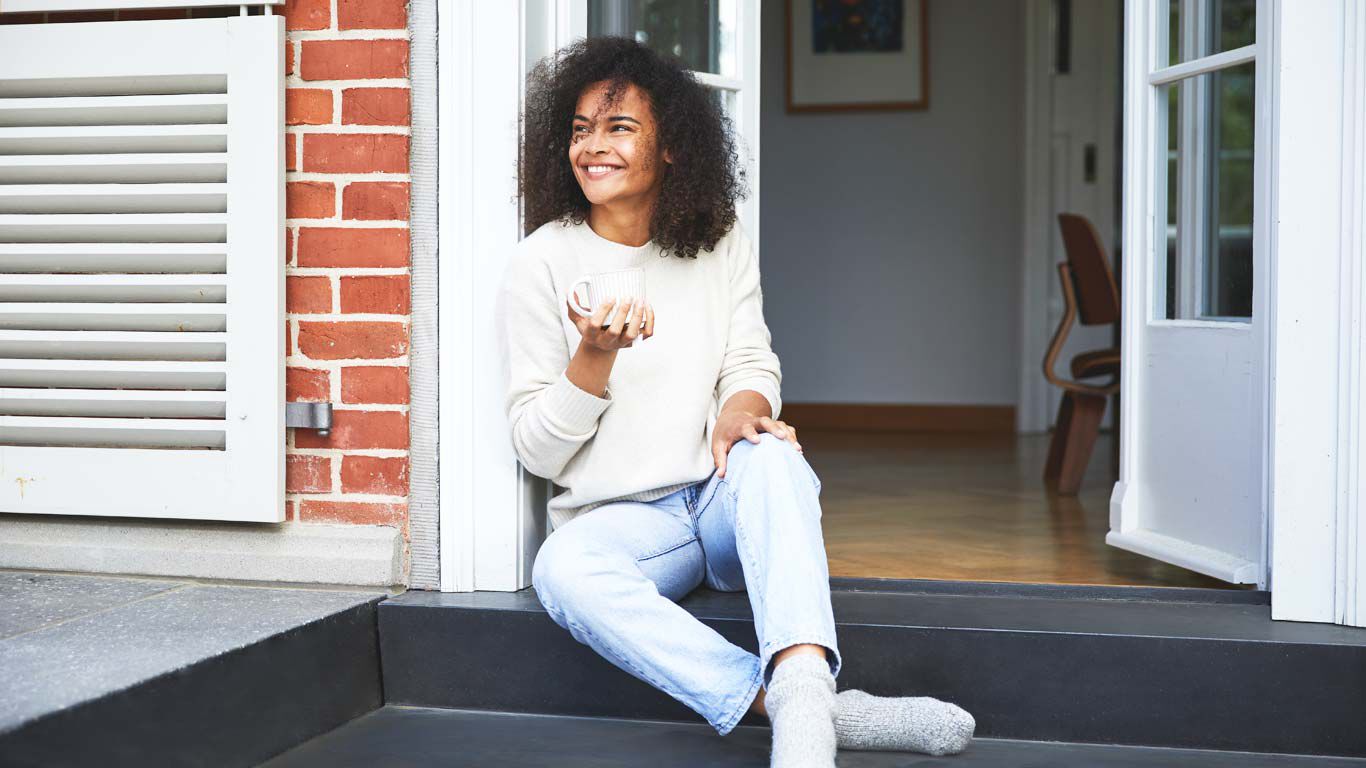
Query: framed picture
{"x": 857, "y": 54}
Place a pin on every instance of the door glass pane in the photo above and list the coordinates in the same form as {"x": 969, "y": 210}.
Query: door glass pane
{"x": 1198, "y": 28}
{"x": 700, "y": 32}
{"x": 1206, "y": 186}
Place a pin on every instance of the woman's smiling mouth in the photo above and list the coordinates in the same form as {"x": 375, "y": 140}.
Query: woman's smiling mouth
{"x": 599, "y": 171}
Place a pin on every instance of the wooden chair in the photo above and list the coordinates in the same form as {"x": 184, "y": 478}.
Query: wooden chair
{"x": 1088, "y": 288}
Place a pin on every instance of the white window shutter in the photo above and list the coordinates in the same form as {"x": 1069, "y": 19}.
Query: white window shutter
{"x": 142, "y": 268}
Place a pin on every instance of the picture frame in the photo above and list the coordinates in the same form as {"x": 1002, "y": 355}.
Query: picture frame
{"x": 851, "y": 55}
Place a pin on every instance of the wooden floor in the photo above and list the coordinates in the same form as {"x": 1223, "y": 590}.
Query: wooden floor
{"x": 969, "y": 507}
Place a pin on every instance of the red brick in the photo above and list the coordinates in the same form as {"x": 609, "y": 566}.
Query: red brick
{"x": 356, "y": 152}
{"x": 375, "y": 200}
{"x": 310, "y": 200}
{"x": 305, "y": 295}
{"x": 359, "y": 430}
{"x": 308, "y": 106}
{"x": 372, "y": 14}
{"x": 373, "y": 384}
{"x": 289, "y": 341}
{"x": 369, "y": 474}
{"x": 354, "y": 512}
{"x": 308, "y": 474}
{"x": 153, "y": 14}
{"x": 352, "y": 340}
{"x": 353, "y": 59}
{"x": 383, "y": 295}
{"x": 290, "y": 514}
{"x": 307, "y": 385}
{"x": 376, "y": 106}
{"x": 308, "y": 14}
{"x": 289, "y": 57}
{"x": 291, "y": 163}
{"x": 351, "y": 247}
{"x": 289, "y": 245}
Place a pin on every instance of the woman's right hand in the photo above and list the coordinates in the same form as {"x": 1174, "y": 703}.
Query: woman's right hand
{"x": 625, "y": 328}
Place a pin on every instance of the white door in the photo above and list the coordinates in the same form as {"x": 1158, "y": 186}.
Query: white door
{"x": 1192, "y": 488}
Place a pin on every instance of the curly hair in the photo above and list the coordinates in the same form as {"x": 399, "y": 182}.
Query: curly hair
{"x": 696, "y": 206}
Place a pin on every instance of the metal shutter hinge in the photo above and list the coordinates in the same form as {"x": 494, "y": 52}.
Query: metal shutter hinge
{"x": 309, "y": 416}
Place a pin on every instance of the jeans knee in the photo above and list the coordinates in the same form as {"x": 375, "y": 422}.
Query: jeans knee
{"x": 772, "y": 450}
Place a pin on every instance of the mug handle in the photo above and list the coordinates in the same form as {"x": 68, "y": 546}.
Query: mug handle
{"x": 574, "y": 297}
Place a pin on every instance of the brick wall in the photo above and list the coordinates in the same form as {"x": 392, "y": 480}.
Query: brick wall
{"x": 347, "y": 113}
{"x": 346, "y": 244}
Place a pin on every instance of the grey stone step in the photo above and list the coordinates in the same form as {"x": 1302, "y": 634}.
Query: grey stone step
{"x": 416, "y": 737}
{"x": 105, "y": 671}
{"x": 1103, "y": 666}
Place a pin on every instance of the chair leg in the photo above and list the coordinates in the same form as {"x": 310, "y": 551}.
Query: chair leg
{"x": 1074, "y": 438}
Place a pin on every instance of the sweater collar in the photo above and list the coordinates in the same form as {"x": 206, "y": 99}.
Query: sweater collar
{"x": 610, "y": 253}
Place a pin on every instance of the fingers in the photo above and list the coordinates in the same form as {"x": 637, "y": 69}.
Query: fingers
{"x": 750, "y": 433}
{"x": 718, "y": 455}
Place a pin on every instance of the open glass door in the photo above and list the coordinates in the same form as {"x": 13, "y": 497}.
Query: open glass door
{"x": 1194, "y": 426}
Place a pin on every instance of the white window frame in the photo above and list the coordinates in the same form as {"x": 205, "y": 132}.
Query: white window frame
{"x": 492, "y": 515}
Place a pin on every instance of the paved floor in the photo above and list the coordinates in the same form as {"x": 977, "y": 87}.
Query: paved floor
{"x": 418, "y": 737}
{"x": 70, "y": 638}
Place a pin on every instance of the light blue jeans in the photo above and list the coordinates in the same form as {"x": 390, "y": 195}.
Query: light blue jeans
{"x": 612, "y": 576}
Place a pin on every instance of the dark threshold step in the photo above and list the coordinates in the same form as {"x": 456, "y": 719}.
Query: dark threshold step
{"x": 1032, "y": 665}
{"x": 399, "y": 737}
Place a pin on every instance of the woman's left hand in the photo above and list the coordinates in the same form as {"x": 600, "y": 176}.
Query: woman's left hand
{"x": 735, "y": 424}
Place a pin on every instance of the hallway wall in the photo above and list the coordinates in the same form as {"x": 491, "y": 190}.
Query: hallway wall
{"x": 890, "y": 241}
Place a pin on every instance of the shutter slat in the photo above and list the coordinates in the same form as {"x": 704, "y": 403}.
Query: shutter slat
{"x": 121, "y": 403}
{"x": 115, "y": 168}
{"x": 80, "y": 139}
{"x": 112, "y": 345}
{"x": 113, "y": 288}
{"x": 113, "y": 198}
{"x": 182, "y": 108}
{"x": 96, "y": 316}
{"x": 114, "y": 227}
{"x": 112, "y": 374}
{"x": 61, "y": 259}
{"x": 84, "y": 432}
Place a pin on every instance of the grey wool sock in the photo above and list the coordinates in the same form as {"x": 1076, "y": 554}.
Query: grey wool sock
{"x": 800, "y": 701}
{"x": 901, "y": 723}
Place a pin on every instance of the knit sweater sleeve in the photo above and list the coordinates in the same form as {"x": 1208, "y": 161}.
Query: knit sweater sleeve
{"x": 550, "y": 416}
{"x": 749, "y": 361}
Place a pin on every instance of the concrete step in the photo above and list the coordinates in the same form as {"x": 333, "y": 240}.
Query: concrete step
{"x": 109, "y": 671}
{"x": 418, "y": 737}
{"x": 1197, "y": 669}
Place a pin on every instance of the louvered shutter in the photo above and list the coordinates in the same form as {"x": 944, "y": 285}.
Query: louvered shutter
{"x": 141, "y": 268}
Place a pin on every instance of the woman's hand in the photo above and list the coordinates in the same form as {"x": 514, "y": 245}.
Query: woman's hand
{"x": 734, "y": 424}
{"x": 624, "y": 330}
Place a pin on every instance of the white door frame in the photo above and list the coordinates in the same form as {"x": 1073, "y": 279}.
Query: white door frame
{"x": 492, "y": 515}
{"x": 1318, "y": 357}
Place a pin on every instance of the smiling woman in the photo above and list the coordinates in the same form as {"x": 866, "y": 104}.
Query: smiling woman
{"x": 635, "y": 111}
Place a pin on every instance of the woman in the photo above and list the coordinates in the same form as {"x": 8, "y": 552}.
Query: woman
{"x": 678, "y": 471}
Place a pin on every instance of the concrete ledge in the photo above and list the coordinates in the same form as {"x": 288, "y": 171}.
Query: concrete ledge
{"x": 363, "y": 555}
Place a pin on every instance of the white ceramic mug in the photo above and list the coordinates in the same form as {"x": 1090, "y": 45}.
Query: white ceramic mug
{"x": 621, "y": 283}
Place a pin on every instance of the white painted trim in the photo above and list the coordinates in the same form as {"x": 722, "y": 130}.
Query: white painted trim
{"x": 1318, "y": 453}
{"x": 368, "y": 555}
{"x": 1210, "y": 562}
{"x": 1033, "y": 412}
{"x": 1218, "y": 61}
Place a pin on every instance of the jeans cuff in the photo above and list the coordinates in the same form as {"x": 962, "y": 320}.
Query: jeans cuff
{"x": 772, "y": 648}
{"x": 746, "y": 702}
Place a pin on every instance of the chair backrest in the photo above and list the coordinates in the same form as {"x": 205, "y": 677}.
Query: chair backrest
{"x": 1097, "y": 295}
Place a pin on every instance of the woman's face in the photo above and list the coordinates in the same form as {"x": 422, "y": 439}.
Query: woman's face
{"x": 614, "y": 150}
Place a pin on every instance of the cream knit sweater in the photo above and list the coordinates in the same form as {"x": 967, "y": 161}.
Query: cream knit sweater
{"x": 651, "y": 434}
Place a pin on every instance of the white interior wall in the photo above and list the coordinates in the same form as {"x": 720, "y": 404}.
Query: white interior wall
{"x": 891, "y": 240}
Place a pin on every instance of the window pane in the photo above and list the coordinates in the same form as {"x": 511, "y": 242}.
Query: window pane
{"x": 1207, "y": 272}
{"x": 1197, "y": 28}
{"x": 700, "y": 32}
